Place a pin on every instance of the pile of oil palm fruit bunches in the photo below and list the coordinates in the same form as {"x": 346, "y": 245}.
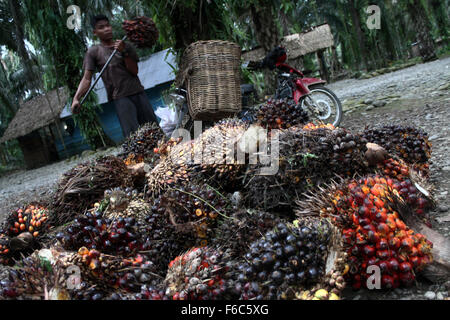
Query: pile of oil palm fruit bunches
{"x": 241, "y": 212}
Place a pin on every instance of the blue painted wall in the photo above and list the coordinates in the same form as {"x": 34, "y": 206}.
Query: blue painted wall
{"x": 75, "y": 143}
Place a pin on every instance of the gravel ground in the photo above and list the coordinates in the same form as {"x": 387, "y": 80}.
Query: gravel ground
{"x": 417, "y": 96}
{"x": 19, "y": 187}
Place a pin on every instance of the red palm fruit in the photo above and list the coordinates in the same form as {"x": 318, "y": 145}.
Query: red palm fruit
{"x": 348, "y": 235}
{"x": 369, "y": 251}
{"x": 383, "y": 254}
{"x": 424, "y": 260}
{"x": 366, "y": 225}
{"x": 405, "y": 267}
{"x": 355, "y": 219}
{"x": 390, "y": 221}
{"x": 421, "y": 203}
{"x": 381, "y": 216}
{"x": 407, "y": 242}
{"x": 360, "y": 239}
{"x": 423, "y": 249}
{"x": 401, "y": 234}
{"x": 372, "y": 261}
{"x": 394, "y": 243}
{"x": 365, "y": 189}
{"x": 373, "y": 237}
{"x": 375, "y": 190}
{"x": 363, "y": 211}
{"x": 359, "y": 197}
{"x": 396, "y": 280}
{"x": 373, "y": 213}
{"x": 384, "y": 267}
{"x": 414, "y": 252}
{"x": 389, "y": 182}
{"x": 407, "y": 278}
{"x": 404, "y": 184}
{"x": 383, "y": 229}
{"x": 383, "y": 244}
{"x": 416, "y": 262}
{"x": 387, "y": 282}
{"x": 379, "y": 203}
{"x": 393, "y": 264}
{"x": 400, "y": 224}
{"x": 411, "y": 199}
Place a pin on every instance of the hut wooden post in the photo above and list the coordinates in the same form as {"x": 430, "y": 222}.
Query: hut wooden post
{"x": 57, "y": 122}
{"x": 324, "y": 73}
{"x": 3, "y": 155}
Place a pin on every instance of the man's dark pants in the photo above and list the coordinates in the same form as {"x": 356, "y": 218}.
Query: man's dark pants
{"x": 134, "y": 111}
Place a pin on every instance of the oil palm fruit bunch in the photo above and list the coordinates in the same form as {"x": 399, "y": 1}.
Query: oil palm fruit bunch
{"x": 199, "y": 274}
{"x": 139, "y": 147}
{"x": 142, "y": 31}
{"x": 85, "y": 184}
{"x": 412, "y": 187}
{"x": 281, "y": 114}
{"x": 119, "y": 237}
{"x": 307, "y": 158}
{"x": 35, "y": 277}
{"x": 115, "y": 272}
{"x": 162, "y": 241}
{"x": 220, "y": 166}
{"x": 245, "y": 226}
{"x": 373, "y": 233}
{"x": 284, "y": 260}
{"x": 210, "y": 158}
{"x": 195, "y": 210}
{"x": 409, "y": 143}
{"x": 23, "y": 231}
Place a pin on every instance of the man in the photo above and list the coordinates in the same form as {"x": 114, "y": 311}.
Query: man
{"x": 120, "y": 78}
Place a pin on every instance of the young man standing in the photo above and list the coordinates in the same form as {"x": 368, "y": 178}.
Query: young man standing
{"x": 120, "y": 78}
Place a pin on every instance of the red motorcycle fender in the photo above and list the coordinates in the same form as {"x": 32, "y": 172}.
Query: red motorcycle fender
{"x": 312, "y": 81}
{"x": 303, "y": 86}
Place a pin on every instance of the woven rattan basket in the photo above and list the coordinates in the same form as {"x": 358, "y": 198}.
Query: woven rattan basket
{"x": 210, "y": 70}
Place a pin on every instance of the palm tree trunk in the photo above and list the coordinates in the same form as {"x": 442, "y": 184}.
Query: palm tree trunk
{"x": 266, "y": 32}
{"x": 440, "y": 13}
{"x": 19, "y": 35}
{"x": 423, "y": 30}
{"x": 359, "y": 33}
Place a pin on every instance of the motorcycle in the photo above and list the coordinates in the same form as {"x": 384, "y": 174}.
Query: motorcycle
{"x": 319, "y": 102}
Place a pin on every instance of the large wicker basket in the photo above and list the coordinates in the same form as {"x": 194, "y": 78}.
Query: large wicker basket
{"x": 211, "y": 72}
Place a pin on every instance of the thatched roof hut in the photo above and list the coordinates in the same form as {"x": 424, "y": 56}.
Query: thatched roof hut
{"x": 36, "y": 113}
{"x": 299, "y": 44}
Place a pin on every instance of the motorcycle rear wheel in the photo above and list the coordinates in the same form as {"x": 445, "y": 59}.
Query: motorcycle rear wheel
{"x": 322, "y": 105}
